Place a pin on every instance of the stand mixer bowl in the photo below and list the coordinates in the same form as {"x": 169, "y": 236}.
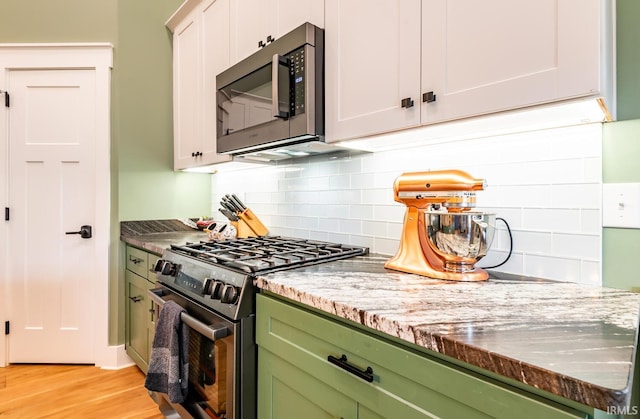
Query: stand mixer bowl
{"x": 459, "y": 239}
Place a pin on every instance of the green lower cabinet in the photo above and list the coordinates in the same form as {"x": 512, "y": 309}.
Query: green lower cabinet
{"x": 140, "y": 317}
{"x": 288, "y": 392}
{"x": 137, "y": 343}
{"x": 295, "y": 378}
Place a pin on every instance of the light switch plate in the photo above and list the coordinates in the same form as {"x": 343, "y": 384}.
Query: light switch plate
{"x": 621, "y": 205}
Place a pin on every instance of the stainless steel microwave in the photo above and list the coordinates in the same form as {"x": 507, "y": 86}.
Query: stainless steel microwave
{"x": 275, "y": 97}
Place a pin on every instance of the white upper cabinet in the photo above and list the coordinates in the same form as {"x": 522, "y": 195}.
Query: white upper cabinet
{"x": 397, "y": 64}
{"x": 372, "y": 63}
{"x": 255, "y": 23}
{"x": 200, "y": 52}
{"x": 482, "y": 57}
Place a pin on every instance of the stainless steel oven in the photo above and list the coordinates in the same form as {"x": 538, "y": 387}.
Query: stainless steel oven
{"x": 274, "y": 97}
{"x": 214, "y": 282}
{"x": 220, "y": 352}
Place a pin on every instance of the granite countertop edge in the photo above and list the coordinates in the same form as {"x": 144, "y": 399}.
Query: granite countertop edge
{"x": 554, "y": 382}
{"x": 158, "y": 235}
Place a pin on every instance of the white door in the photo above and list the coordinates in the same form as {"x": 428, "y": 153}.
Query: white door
{"x": 52, "y": 178}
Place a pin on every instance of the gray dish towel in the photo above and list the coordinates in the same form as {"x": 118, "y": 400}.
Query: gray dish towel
{"x": 169, "y": 364}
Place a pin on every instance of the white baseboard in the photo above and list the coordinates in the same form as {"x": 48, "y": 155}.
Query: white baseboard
{"x": 114, "y": 358}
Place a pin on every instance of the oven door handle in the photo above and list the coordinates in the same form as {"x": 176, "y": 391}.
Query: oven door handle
{"x": 212, "y": 332}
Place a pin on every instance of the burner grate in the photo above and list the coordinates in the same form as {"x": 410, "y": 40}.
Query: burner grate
{"x": 259, "y": 255}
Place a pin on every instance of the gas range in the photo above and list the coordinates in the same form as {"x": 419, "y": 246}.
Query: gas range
{"x": 219, "y": 274}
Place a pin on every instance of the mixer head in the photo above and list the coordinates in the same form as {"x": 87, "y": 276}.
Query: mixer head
{"x": 452, "y": 189}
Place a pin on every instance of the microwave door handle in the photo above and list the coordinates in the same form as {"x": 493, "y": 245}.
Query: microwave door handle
{"x": 278, "y": 60}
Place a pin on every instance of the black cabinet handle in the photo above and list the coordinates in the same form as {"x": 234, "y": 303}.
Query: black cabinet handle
{"x": 366, "y": 375}
{"x": 406, "y": 102}
{"x": 135, "y": 299}
{"x": 428, "y": 97}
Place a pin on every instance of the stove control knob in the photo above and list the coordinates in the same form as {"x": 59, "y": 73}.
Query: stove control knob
{"x": 230, "y": 294}
{"x": 206, "y": 286}
{"x": 158, "y": 266}
{"x": 216, "y": 289}
{"x": 169, "y": 268}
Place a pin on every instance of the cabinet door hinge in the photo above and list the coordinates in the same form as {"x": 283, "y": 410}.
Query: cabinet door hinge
{"x": 6, "y": 97}
{"x": 7, "y": 328}
{"x": 6, "y": 213}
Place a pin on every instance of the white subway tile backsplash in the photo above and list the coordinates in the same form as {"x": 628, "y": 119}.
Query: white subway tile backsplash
{"x": 591, "y": 273}
{"x": 548, "y": 219}
{"x": 576, "y": 246}
{"x": 374, "y": 228}
{"x": 531, "y": 196}
{"x": 588, "y": 195}
{"x": 546, "y": 184}
{"x": 389, "y": 213}
{"x": 340, "y": 181}
{"x": 361, "y": 212}
{"x": 386, "y": 246}
{"x": 549, "y": 266}
{"x": 591, "y": 221}
{"x": 531, "y": 241}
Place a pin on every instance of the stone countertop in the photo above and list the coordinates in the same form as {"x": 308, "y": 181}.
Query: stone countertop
{"x": 576, "y": 341}
{"x": 157, "y": 235}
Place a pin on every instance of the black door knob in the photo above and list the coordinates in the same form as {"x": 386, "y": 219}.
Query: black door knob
{"x": 85, "y": 232}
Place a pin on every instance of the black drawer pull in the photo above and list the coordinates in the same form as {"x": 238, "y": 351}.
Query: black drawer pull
{"x": 135, "y": 260}
{"x": 366, "y": 375}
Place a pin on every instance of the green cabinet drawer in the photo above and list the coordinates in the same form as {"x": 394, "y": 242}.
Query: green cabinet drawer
{"x": 403, "y": 380}
{"x": 137, "y": 261}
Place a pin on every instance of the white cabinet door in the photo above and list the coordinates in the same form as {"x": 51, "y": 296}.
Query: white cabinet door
{"x": 250, "y": 23}
{"x": 372, "y": 63}
{"x": 200, "y": 52}
{"x": 255, "y": 21}
{"x": 289, "y": 14}
{"x": 494, "y": 55}
{"x": 215, "y": 59}
{"x": 186, "y": 73}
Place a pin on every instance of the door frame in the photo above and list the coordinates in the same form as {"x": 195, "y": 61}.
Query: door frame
{"x": 97, "y": 57}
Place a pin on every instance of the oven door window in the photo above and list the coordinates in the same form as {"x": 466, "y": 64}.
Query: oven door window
{"x": 211, "y": 375}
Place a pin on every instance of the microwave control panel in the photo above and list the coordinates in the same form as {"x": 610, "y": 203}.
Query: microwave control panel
{"x": 296, "y": 71}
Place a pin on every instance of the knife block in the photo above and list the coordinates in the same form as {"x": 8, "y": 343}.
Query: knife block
{"x": 243, "y": 230}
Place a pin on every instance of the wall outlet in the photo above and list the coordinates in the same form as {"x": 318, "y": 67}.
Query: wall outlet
{"x": 621, "y": 205}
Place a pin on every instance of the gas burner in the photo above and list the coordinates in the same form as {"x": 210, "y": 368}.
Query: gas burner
{"x": 260, "y": 255}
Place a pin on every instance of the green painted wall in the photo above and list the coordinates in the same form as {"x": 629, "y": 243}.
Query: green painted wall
{"x": 149, "y": 189}
{"x": 628, "y": 59}
{"x": 621, "y": 148}
{"x": 144, "y": 185}
{"x": 620, "y": 157}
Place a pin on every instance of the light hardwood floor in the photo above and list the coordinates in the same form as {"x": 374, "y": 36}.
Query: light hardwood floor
{"x": 73, "y": 391}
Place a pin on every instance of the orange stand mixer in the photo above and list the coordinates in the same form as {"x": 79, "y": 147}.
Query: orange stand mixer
{"x": 441, "y": 237}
